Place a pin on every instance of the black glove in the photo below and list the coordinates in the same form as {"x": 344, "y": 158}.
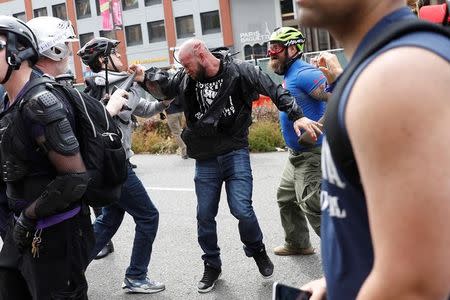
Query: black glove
{"x": 23, "y": 231}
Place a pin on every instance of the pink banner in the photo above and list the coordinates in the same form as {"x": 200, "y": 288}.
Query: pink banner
{"x": 111, "y": 12}
{"x": 106, "y": 16}
{"x": 117, "y": 14}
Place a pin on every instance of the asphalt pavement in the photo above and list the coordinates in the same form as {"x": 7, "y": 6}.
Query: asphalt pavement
{"x": 176, "y": 255}
{"x": 176, "y": 258}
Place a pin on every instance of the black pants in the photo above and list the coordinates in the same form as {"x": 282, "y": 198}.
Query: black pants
{"x": 58, "y": 272}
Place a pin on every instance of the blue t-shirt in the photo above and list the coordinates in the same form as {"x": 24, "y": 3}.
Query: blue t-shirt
{"x": 300, "y": 80}
{"x": 347, "y": 252}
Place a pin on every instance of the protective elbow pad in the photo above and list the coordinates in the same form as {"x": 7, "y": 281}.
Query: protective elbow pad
{"x": 60, "y": 193}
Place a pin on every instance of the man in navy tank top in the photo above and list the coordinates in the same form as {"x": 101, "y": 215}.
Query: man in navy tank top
{"x": 385, "y": 217}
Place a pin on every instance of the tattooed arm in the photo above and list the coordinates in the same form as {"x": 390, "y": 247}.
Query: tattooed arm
{"x": 329, "y": 64}
{"x": 319, "y": 93}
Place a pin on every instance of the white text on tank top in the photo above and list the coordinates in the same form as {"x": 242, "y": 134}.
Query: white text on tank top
{"x": 331, "y": 175}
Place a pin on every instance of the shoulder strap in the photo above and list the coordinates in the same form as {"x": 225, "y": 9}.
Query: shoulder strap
{"x": 339, "y": 142}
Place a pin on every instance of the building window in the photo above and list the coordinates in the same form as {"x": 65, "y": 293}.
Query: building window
{"x": 21, "y": 16}
{"x": 83, "y": 9}
{"x": 133, "y": 34}
{"x": 185, "y": 26}
{"x": 287, "y": 10}
{"x": 129, "y": 4}
{"x": 152, "y": 2}
{"x": 256, "y": 51}
{"x": 59, "y": 11}
{"x": 40, "y": 12}
{"x": 324, "y": 40}
{"x": 210, "y": 22}
{"x": 248, "y": 52}
{"x": 109, "y": 34}
{"x": 156, "y": 32}
{"x": 86, "y": 37}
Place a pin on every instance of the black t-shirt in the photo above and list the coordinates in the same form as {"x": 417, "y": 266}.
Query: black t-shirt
{"x": 206, "y": 92}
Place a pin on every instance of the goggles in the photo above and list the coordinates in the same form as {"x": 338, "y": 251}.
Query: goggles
{"x": 275, "y": 48}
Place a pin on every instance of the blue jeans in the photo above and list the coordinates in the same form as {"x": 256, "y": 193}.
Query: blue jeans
{"x": 135, "y": 201}
{"x": 234, "y": 169}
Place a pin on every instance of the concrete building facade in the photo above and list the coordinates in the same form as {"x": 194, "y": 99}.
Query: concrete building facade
{"x": 151, "y": 29}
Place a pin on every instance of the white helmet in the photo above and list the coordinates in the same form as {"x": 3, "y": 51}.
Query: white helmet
{"x": 52, "y": 35}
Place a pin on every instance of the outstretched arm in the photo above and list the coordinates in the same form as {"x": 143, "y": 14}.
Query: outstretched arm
{"x": 281, "y": 97}
{"x": 398, "y": 123}
{"x": 157, "y": 82}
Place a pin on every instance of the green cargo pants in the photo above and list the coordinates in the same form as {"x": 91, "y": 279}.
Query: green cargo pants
{"x": 298, "y": 197}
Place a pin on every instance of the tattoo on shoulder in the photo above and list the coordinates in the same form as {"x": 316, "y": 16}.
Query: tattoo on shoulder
{"x": 319, "y": 93}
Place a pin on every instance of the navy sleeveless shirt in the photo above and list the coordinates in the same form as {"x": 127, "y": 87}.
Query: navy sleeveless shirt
{"x": 347, "y": 252}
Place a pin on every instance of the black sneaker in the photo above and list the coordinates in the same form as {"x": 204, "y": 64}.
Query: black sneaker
{"x": 264, "y": 263}
{"x": 210, "y": 276}
{"x": 109, "y": 248}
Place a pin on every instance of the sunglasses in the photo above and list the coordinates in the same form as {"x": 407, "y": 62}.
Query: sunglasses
{"x": 2, "y": 45}
{"x": 274, "y": 49}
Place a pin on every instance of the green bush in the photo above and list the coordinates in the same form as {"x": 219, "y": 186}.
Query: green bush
{"x": 153, "y": 135}
{"x": 265, "y": 136}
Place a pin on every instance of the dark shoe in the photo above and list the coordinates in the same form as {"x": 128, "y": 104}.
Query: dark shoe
{"x": 284, "y": 251}
{"x": 264, "y": 263}
{"x": 133, "y": 166}
{"x": 210, "y": 276}
{"x": 109, "y": 248}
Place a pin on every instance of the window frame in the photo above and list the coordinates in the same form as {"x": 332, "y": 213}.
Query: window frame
{"x": 152, "y": 40}
{"x": 55, "y": 6}
{"x": 40, "y": 9}
{"x": 210, "y": 30}
{"x": 88, "y": 11}
{"x": 126, "y": 7}
{"x": 188, "y": 35}
{"x": 129, "y": 27}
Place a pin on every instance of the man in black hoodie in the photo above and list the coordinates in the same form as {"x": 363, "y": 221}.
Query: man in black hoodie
{"x": 217, "y": 93}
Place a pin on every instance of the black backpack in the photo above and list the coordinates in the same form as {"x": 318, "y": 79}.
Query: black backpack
{"x": 340, "y": 146}
{"x": 99, "y": 140}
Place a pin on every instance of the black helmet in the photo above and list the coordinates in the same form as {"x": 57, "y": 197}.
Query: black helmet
{"x": 21, "y": 43}
{"x": 95, "y": 48}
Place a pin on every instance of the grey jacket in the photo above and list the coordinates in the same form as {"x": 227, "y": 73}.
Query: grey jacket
{"x": 139, "y": 106}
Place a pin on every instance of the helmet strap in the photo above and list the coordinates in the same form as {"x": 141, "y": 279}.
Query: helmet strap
{"x": 12, "y": 59}
{"x": 8, "y": 74}
{"x": 105, "y": 61}
{"x": 112, "y": 63}
{"x": 289, "y": 61}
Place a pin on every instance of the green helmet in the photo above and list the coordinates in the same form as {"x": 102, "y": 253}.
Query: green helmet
{"x": 288, "y": 36}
